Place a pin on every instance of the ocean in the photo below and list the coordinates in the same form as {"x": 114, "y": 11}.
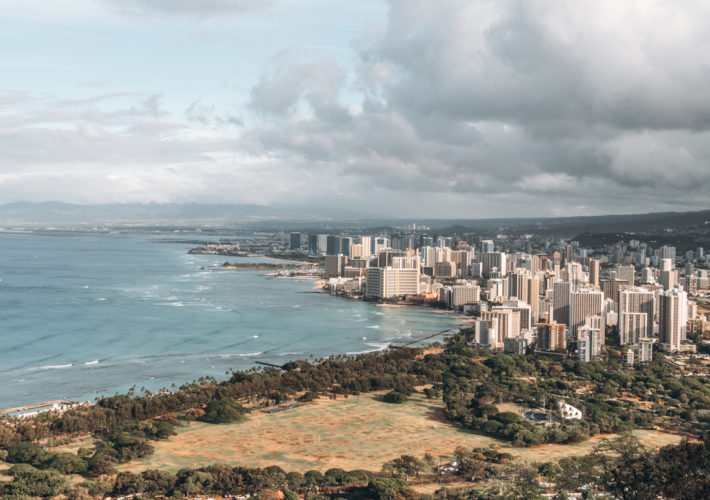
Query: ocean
{"x": 88, "y": 315}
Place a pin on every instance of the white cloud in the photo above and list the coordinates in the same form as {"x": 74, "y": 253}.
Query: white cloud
{"x": 453, "y": 108}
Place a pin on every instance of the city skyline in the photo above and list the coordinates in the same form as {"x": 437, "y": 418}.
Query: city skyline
{"x": 404, "y": 108}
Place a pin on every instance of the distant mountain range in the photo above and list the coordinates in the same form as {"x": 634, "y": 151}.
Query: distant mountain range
{"x": 57, "y": 213}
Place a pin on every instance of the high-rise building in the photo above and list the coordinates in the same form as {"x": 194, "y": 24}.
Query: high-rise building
{"x": 594, "y": 272}
{"x": 322, "y": 244}
{"x": 647, "y": 276}
{"x": 404, "y": 262}
{"x": 593, "y": 335}
{"x": 357, "y": 251}
{"x": 313, "y": 244}
{"x": 669, "y": 279}
{"x": 295, "y": 241}
{"x": 584, "y": 302}
{"x": 487, "y": 246}
{"x": 332, "y": 245}
{"x": 645, "y": 350}
{"x": 380, "y": 243}
{"x": 345, "y": 244}
{"x": 560, "y": 297}
{"x": 667, "y": 252}
{"x": 551, "y": 336}
{"x": 631, "y": 303}
{"x": 518, "y": 284}
{"x": 388, "y": 282}
{"x": 465, "y": 294}
{"x": 634, "y": 326}
{"x": 366, "y": 242}
{"x": 575, "y": 275}
{"x": 507, "y": 324}
{"x": 487, "y": 332}
{"x": 626, "y": 273}
{"x": 445, "y": 269}
{"x": 497, "y": 287}
{"x": 493, "y": 260}
{"x": 515, "y": 345}
{"x": 611, "y": 288}
{"x": 335, "y": 265}
{"x": 526, "y": 316}
{"x": 534, "y": 294}
{"x": 672, "y": 316}
{"x": 584, "y": 347}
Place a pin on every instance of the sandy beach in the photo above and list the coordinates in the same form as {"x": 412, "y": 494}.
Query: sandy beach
{"x": 463, "y": 317}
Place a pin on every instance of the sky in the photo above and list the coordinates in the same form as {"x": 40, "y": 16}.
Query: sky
{"x": 397, "y": 108}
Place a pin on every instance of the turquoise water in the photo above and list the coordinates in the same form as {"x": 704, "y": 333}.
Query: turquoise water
{"x": 84, "y": 316}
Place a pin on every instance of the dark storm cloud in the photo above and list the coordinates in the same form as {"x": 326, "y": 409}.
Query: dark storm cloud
{"x": 589, "y": 103}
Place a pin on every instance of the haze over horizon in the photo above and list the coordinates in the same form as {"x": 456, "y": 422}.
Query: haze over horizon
{"x": 399, "y": 108}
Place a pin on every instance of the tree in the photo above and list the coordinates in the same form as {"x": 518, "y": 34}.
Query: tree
{"x": 627, "y": 470}
{"x": 395, "y": 397}
{"x": 470, "y": 468}
{"x": 386, "y": 488}
{"x": 36, "y": 483}
{"x": 406, "y": 465}
{"x": 223, "y": 411}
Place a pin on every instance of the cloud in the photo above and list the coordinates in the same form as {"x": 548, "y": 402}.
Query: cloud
{"x": 524, "y": 100}
{"x": 452, "y": 109}
{"x": 200, "y": 9}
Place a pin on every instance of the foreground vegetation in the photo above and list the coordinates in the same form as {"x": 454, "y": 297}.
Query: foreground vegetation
{"x": 471, "y": 382}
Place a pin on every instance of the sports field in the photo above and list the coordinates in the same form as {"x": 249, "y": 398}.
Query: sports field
{"x": 351, "y": 433}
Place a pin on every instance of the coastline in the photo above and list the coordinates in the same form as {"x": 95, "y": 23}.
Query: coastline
{"x": 463, "y": 317}
{"x": 303, "y": 262}
{"x": 318, "y": 281}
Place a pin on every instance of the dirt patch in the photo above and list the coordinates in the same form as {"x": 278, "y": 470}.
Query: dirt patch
{"x": 350, "y": 433}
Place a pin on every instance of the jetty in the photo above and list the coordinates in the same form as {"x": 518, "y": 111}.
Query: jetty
{"x": 52, "y": 405}
{"x": 407, "y": 344}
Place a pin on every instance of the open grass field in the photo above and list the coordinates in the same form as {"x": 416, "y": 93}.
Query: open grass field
{"x": 351, "y": 433}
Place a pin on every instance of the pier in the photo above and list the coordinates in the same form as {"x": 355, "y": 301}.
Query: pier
{"x": 50, "y": 405}
{"x": 407, "y": 344}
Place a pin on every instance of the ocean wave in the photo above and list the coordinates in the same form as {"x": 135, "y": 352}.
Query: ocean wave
{"x": 241, "y": 354}
{"x": 373, "y": 327}
{"x": 380, "y": 314}
{"x": 55, "y": 367}
{"x": 101, "y": 299}
{"x": 375, "y": 347}
{"x": 89, "y": 363}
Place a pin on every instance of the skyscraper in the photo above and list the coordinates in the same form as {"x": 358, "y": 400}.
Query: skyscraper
{"x": 626, "y": 273}
{"x": 584, "y": 302}
{"x": 631, "y": 302}
{"x": 594, "y": 272}
{"x": 560, "y": 298}
{"x": 487, "y": 246}
{"x": 551, "y": 336}
{"x": 672, "y": 316}
{"x": 507, "y": 324}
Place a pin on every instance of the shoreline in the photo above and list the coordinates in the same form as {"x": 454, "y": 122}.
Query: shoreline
{"x": 467, "y": 319}
{"x": 320, "y": 282}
